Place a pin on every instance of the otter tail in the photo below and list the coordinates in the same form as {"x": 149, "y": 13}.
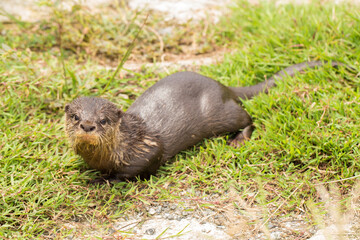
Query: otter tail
{"x": 250, "y": 91}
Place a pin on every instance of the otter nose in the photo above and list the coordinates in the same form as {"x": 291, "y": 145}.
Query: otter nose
{"x": 87, "y": 127}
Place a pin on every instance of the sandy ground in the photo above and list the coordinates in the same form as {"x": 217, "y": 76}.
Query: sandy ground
{"x": 29, "y": 10}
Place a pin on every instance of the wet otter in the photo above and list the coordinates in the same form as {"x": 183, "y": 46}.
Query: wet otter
{"x": 177, "y": 112}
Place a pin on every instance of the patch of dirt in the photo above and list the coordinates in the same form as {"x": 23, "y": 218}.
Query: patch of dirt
{"x": 183, "y": 63}
{"x": 222, "y": 218}
{"x": 228, "y": 216}
{"x": 184, "y": 10}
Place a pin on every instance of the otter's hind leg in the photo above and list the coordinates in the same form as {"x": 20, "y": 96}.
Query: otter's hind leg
{"x": 242, "y": 136}
{"x": 234, "y": 117}
{"x": 245, "y": 123}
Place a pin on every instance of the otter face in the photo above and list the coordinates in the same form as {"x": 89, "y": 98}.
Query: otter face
{"x": 91, "y": 122}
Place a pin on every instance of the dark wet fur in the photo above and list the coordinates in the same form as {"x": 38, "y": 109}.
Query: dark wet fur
{"x": 172, "y": 115}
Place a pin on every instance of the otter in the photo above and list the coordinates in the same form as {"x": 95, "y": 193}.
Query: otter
{"x": 175, "y": 113}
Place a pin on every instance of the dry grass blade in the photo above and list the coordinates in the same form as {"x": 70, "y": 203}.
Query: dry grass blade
{"x": 125, "y": 57}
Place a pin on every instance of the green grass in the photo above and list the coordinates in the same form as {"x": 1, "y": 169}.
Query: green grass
{"x": 307, "y": 128}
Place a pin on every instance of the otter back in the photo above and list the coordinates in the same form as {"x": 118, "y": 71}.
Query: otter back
{"x": 186, "y": 107}
{"x": 175, "y": 113}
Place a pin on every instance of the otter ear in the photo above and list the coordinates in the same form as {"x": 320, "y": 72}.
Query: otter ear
{"x": 67, "y": 107}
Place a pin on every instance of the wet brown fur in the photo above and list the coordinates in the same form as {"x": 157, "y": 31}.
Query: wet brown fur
{"x": 114, "y": 148}
{"x": 177, "y": 112}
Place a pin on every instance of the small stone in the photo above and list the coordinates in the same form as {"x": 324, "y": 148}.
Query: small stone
{"x": 218, "y": 222}
{"x": 276, "y": 235}
{"x": 152, "y": 211}
{"x": 111, "y": 231}
{"x": 166, "y": 30}
{"x": 158, "y": 209}
{"x": 165, "y": 215}
{"x": 206, "y": 230}
{"x": 150, "y": 231}
{"x": 270, "y": 226}
{"x": 69, "y": 226}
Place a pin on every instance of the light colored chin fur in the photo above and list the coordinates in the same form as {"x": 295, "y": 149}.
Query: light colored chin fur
{"x": 84, "y": 138}
{"x": 98, "y": 151}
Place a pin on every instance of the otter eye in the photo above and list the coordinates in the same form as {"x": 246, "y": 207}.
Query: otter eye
{"x": 103, "y": 121}
{"x": 75, "y": 117}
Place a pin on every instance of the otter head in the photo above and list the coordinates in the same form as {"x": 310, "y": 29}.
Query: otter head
{"x": 91, "y": 123}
